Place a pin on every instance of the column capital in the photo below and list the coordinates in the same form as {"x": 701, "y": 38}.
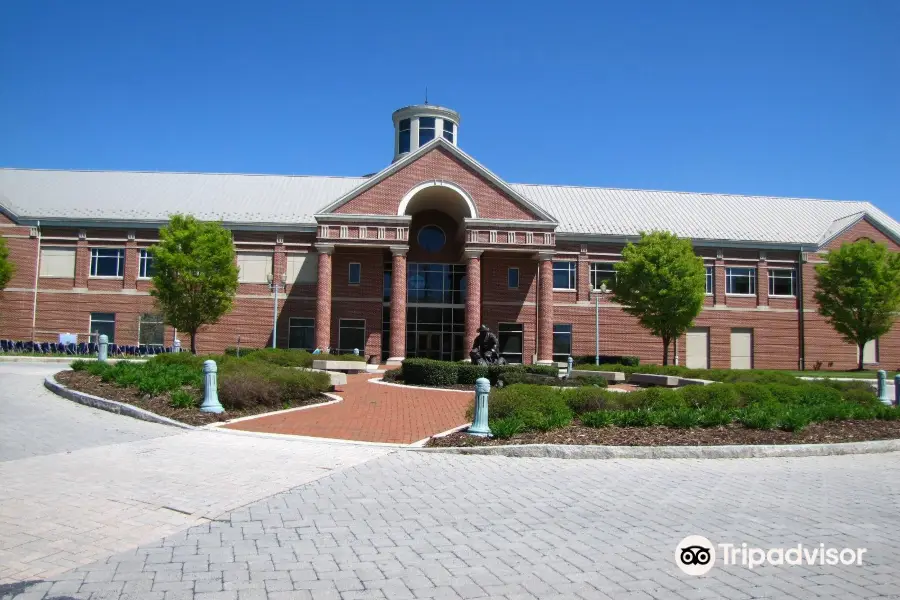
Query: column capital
{"x": 545, "y": 255}
{"x": 473, "y": 252}
{"x": 399, "y": 250}
{"x": 325, "y": 248}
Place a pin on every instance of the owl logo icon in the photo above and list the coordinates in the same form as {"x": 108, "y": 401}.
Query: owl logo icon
{"x": 695, "y": 555}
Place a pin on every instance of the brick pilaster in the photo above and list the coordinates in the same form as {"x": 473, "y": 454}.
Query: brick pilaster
{"x": 398, "y": 303}
{"x": 719, "y": 281}
{"x": 323, "y": 297}
{"x": 762, "y": 281}
{"x": 583, "y": 282}
{"x": 82, "y": 261}
{"x": 132, "y": 258}
{"x": 545, "y": 308}
{"x": 473, "y": 295}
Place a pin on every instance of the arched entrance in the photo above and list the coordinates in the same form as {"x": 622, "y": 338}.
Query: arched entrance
{"x": 435, "y": 278}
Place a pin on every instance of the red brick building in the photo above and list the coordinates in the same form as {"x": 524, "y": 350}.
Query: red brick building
{"x": 463, "y": 246}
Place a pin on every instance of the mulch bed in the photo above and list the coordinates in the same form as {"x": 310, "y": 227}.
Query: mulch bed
{"x": 817, "y": 433}
{"x": 82, "y": 381}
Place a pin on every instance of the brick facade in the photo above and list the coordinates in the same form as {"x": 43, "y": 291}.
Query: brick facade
{"x": 65, "y": 304}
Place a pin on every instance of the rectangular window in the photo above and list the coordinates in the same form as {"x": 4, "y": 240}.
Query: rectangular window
{"x": 107, "y": 262}
{"x": 387, "y": 281}
{"x": 448, "y": 130}
{"x": 512, "y": 278}
{"x": 710, "y": 281}
{"x": 740, "y": 281}
{"x": 254, "y": 267}
{"x": 302, "y": 268}
{"x": 511, "y": 337}
{"x": 426, "y": 130}
{"x": 145, "y": 268}
{"x": 103, "y": 324}
{"x": 782, "y": 282}
{"x": 58, "y": 262}
{"x": 603, "y": 273}
{"x": 355, "y": 273}
{"x": 352, "y": 336}
{"x": 151, "y": 330}
{"x": 404, "y": 136}
{"x": 564, "y": 275}
{"x": 562, "y": 342}
{"x": 302, "y": 333}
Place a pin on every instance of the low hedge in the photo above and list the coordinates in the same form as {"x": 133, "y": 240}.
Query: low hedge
{"x": 290, "y": 357}
{"x": 753, "y": 405}
{"x": 723, "y": 375}
{"x": 608, "y": 359}
{"x": 577, "y": 380}
{"x": 439, "y": 373}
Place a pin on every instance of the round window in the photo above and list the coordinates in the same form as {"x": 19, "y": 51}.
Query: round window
{"x": 431, "y": 238}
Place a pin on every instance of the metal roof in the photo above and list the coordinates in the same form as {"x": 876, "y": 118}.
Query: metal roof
{"x": 153, "y": 196}
{"x": 699, "y": 216}
{"x": 281, "y": 199}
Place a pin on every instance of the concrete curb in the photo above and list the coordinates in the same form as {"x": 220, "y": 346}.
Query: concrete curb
{"x": 110, "y": 405}
{"x": 606, "y": 452}
{"x": 62, "y": 359}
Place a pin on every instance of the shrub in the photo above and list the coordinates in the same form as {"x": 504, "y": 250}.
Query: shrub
{"x": 680, "y": 418}
{"x": 538, "y": 407}
{"x": 392, "y": 375}
{"x": 586, "y": 399}
{"x": 597, "y": 418}
{"x": 244, "y": 352}
{"x": 588, "y": 381}
{"x": 467, "y": 373}
{"x": 239, "y": 392}
{"x": 793, "y": 419}
{"x": 519, "y": 376}
{"x": 179, "y": 358}
{"x": 716, "y": 395}
{"x": 506, "y": 428}
{"x": 713, "y": 417}
{"x": 243, "y": 384}
{"x": 281, "y": 357}
{"x": 424, "y": 371}
{"x": 628, "y": 361}
{"x": 758, "y": 418}
{"x": 182, "y": 399}
{"x": 632, "y": 418}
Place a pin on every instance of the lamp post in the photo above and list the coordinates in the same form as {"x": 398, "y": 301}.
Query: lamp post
{"x": 602, "y": 290}
{"x": 275, "y": 284}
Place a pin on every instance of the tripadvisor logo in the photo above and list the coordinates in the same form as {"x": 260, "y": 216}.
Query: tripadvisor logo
{"x": 696, "y": 555}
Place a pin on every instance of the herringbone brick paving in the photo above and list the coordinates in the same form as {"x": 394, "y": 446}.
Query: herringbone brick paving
{"x": 413, "y": 525}
{"x": 372, "y": 413}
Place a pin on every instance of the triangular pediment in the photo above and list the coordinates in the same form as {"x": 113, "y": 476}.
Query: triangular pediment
{"x": 445, "y": 164}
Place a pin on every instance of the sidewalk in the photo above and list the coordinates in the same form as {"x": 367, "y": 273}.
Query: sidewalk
{"x": 372, "y": 413}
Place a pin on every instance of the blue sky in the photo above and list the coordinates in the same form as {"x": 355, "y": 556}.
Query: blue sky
{"x": 766, "y": 97}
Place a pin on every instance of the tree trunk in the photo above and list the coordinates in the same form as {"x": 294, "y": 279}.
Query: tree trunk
{"x": 193, "y": 341}
{"x": 665, "y": 351}
{"x": 862, "y": 348}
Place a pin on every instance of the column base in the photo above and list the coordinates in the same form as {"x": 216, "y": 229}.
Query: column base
{"x": 394, "y": 361}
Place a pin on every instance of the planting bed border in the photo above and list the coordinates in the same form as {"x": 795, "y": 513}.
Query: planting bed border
{"x": 650, "y": 452}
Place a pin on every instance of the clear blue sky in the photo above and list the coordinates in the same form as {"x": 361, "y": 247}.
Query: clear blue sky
{"x": 765, "y": 97}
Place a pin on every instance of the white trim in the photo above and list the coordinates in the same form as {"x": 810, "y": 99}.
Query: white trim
{"x": 401, "y": 210}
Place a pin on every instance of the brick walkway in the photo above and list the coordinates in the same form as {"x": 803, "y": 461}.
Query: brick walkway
{"x": 372, "y": 413}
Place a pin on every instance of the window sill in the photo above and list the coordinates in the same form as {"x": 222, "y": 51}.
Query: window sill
{"x": 781, "y": 296}
{"x": 56, "y": 276}
{"x": 255, "y": 282}
{"x": 740, "y": 295}
{"x": 565, "y": 290}
{"x": 119, "y": 277}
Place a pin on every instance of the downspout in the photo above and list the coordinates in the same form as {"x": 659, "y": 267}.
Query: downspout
{"x": 800, "y": 304}
{"x": 37, "y": 270}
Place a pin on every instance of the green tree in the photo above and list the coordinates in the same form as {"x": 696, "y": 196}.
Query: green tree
{"x": 7, "y": 268}
{"x": 859, "y": 291}
{"x": 661, "y": 282}
{"x": 195, "y": 276}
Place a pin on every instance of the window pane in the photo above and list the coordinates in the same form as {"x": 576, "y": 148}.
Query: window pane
{"x": 404, "y": 124}
{"x": 352, "y": 335}
{"x": 740, "y": 280}
{"x": 425, "y": 136}
{"x": 426, "y": 122}
{"x": 146, "y": 265}
{"x": 57, "y": 262}
{"x": 709, "y": 280}
{"x": 104, "y": 324}
{"x": 431, "y": 238}
{"x": 603, "y": 273}
{"x": 781, "y": 282}
{"x": 512, "y": 277}
{"x": 354, "y": 273}
{"x": 564, "y": 275}
{"x": 107, "y": 262}
{"x": 404, "y": 141}
{"x": 562, "y": 342}
{"x": 151, "y": 330}
{"x": 302, "y": 333}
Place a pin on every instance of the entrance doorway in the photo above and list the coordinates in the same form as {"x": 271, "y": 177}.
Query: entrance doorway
{"x": 429, "y": 345}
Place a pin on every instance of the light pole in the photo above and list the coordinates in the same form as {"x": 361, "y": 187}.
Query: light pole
{"x": 597, "y": 292}
{"x": 275, "y": 284}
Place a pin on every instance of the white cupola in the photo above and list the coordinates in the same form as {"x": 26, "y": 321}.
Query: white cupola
{"x": 416, "y": 125}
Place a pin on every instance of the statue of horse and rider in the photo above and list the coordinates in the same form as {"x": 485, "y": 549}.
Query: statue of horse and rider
{"x": 485, "y": 348}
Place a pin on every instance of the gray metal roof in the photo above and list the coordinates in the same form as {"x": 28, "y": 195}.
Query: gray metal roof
{"x": 152, "y": 196}
{"x": 279, "y": 199}
{"x": 623, "y": 212}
